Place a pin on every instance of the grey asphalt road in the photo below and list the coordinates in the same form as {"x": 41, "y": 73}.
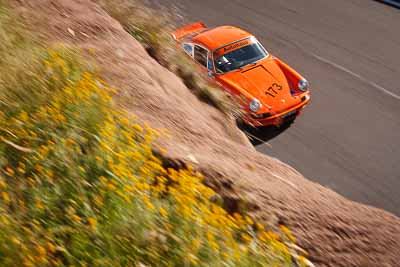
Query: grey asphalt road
{"x": 348, "y": 139}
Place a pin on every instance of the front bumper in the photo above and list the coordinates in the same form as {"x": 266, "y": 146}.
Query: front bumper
{"x": 280, "y": 118}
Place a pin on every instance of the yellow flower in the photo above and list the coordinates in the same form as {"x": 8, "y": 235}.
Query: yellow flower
{"x": 27, "y": 230}
{"x": 76, "y": 218}
{"x": 31, "y": 181}
{"x": 210, "y": 236}
{"x": 302, "y": 260}
{"x": 249, "y": 221}
{"x": 41, "y": 250}
{"x": 99, "y": 159}
{"x": 148, "y": 203}
{"x": 124, "y": 121}
{"x": 28, "y": 263}
{"x": 39, "y": 169}
{"x": 51, "y": 247}
{"x": 69, "y": 142}
{"x": 81, "y": 169}
{"x": 10, "y": 171}
{"x": 267, "y": 236}
{"x": 50, "y": 142}
{"x": 4, "y": 220}
{"x": 287, "y": 233}
{"x": 103, "y": 179}
{"x": 98, "y": 200}
{"x": 260, "y": 226}
{"x": 137, "y": 127}
{"x": 15, "y": 241}
{"x": 236, "y": 254}
{"x": 39, "y": 204}
{"x": 32, "y": 133}
{"x": 3, "y": 184}
{"x": 21, "y": 170}
{"x": 214, "y": 245}
{"x": 193, "y": 259}
{"x": 92, "y": 223}
{"x": 246, "y": 238}
{"x": 24, "y": 116}
{"x": 163, "y": 212}
{"x": 111, "y": 187}
{"x": 5, "y": 197}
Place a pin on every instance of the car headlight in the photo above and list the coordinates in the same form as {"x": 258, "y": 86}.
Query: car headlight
{"x": 255, "y": 105}
{"x": 303, "y": 85}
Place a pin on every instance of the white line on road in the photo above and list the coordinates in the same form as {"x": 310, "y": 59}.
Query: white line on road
{"x": 377, "y": 86}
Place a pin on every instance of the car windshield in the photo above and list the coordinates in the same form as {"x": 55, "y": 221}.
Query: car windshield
{"x": 239, "y": 58}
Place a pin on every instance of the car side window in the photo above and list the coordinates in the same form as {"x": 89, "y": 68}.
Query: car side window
{"x": 200, "y": 55}
{"x": 188, "y": 49}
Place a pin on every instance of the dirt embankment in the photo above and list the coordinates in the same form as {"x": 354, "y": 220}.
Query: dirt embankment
{"x": 336, "y": 231}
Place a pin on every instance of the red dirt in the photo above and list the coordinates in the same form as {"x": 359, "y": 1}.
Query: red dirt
{"x": 336, "y": 231}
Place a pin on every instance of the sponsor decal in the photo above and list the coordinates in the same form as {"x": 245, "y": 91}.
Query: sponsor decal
{"x": 235, "y": 46}
{"x": 231, "y": 47}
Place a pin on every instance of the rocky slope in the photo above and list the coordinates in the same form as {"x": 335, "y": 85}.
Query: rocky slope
{"x": 336, "y": 231}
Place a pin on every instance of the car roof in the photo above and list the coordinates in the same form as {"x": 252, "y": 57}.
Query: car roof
{"x": 216, "y": 37}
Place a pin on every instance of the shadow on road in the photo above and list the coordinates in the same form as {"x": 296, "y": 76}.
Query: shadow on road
{"x": 393, "y": 3}
{"x": 260, "y": 135}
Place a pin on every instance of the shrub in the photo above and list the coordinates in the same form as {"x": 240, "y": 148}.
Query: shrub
{"x": 80, "y": 184}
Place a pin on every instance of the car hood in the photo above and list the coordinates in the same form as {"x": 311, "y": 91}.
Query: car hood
{"x": 264, "y": 81}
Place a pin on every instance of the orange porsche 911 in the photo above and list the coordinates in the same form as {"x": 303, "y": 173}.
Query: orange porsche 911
{"x": 274, "y": 93}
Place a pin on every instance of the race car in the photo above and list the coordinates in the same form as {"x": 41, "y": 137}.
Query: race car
{"x": 273, "y": 93}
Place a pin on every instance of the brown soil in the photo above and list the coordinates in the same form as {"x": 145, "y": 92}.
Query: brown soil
{"x": 335, "y": 231}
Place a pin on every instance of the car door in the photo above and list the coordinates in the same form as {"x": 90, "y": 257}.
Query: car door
{"x": 203, "y": 58}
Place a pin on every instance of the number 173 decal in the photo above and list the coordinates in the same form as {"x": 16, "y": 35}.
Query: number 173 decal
{"x": 273, "y": 90}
